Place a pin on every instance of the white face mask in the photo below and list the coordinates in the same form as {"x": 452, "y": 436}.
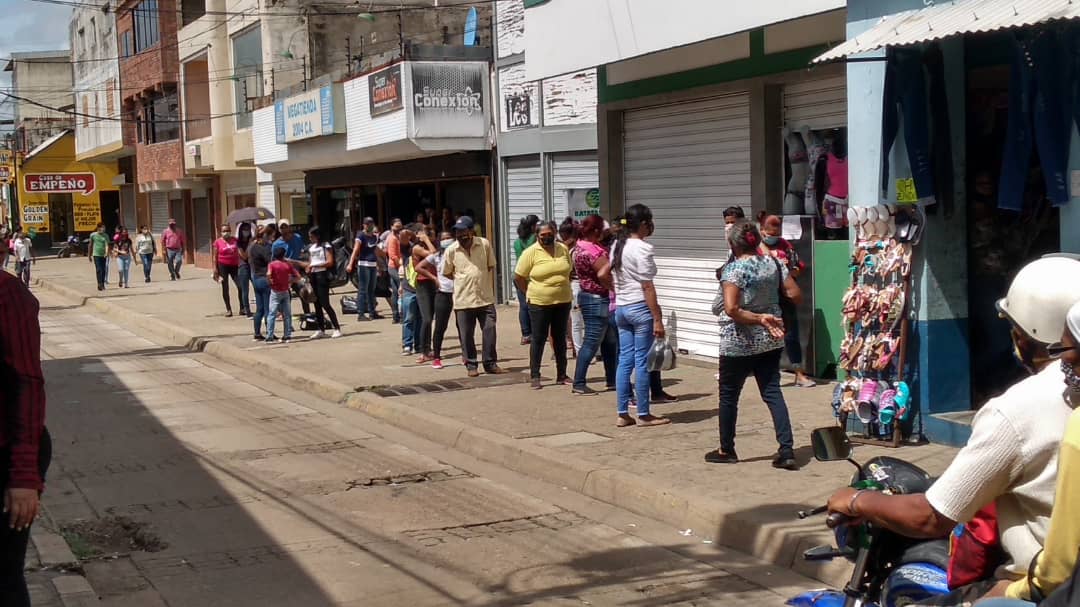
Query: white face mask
{"x": 445, "y": 243}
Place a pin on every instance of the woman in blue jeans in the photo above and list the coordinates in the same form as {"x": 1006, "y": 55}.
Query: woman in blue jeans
{"x": 594, "y": 302}
{"x": 258, "y": 255}
{"x": 637, "y": 313}
{"x": 751, "y": 340}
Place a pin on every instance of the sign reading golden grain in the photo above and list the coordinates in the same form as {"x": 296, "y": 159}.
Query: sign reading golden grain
{"x": 60, "y": 183}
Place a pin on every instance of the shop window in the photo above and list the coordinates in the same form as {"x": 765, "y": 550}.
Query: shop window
{"x": 127, "y": 45}
{"x": 815, "y": 179}
{"x": 239, "y": 201}
{"x": 159, "y": 118}
{"x": 247, "y": 74}
{"x": 196, "y": 99}
{"x": 145, "y": 18}
{"x": 190, "y": 10}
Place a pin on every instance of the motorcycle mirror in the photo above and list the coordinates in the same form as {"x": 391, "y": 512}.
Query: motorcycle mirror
{"x": 830, "y": 444}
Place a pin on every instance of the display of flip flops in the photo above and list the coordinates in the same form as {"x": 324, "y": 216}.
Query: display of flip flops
{"x": 872, "y": 401}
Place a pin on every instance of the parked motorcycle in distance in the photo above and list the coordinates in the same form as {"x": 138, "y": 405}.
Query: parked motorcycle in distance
{"x": 889, "y": 570}
{"x": 73, "y": 246}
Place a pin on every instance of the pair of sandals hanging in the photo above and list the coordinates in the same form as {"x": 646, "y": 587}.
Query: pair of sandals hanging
{"x": 872, "y": 400}
{"x": 873, "y": 352}
{"x": 865, "y": 305}
{"x": 882, "y": 258}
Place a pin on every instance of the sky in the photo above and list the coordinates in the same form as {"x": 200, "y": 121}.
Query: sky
{"x": 30, "y": 26}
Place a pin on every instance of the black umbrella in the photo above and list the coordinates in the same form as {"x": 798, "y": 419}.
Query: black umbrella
{"x": 248, "y": 214}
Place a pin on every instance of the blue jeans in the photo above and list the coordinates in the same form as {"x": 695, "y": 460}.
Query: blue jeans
{"x": 598, "y": 336}
{"x": 523, "y": 314}
{"x": 175, "y": 259}
{"x": 108, "y": 268}
{"x": 905, "y": 87}
{"x": 262, "y": 301}
{"x": 243, "y": 281}
{"x": 395, "y": 286}
{"x": 1037, "y": 115}
{"x": 147, "y": 263}
{"x": 765, "y": 368}
{"x": 100, "y": 270}
{"x": 280, "y": 301}
{"x": 410, "y": 319}
{"x": 123, "y": 265}
{"x": 365, "y": 292}
{"x": 635, "y": 323}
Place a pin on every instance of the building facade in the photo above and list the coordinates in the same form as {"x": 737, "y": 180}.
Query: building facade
{"x": 41, "y": 83}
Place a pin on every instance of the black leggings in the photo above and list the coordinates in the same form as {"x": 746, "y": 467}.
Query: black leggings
{"x": 425, "y": 300}
{"x": 444, "y": 308}
{"x": 320, "y": 282}
{"x": 225, "y": 272}
{"x": 13, "y": 591}
{"x": 544, "y": 319}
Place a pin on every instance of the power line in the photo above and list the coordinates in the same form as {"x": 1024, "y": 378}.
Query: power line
{"x": 461, "y": 4}
{"x": 119, "y": 119}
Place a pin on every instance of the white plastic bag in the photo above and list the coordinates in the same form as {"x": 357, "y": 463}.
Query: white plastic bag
{"x": 661, "y": 356}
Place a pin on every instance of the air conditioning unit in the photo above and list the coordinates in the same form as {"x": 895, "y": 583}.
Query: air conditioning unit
{"x": 194, "y": 150}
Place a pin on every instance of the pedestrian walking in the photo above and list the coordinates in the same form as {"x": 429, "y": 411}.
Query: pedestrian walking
{"x": 637, "y": 313}
{"x": 590, "y": 260}
{"x": 543, "y": 273}
{"x": 259, "y": 258}
{"x": 25, "y": 447}
{"x": 24, "y": 255}
{"x": 782, "y": 250}
{"x": 526, "y": 232}
{"x": 225, "y": 254}
{"x": 364, "y": 261}
{"x": 470, "y": 263}
{"x": 172, "y": 246}
{"x": 425, "y": 282}
{"x": 321, "y": 257}
{"x": 147, "y": 249}
{"x": 751, "y": 340}
{"x": 123, "y": 249}
{"x": 282, "y": 275}
{"x": 5, "y": 246}
{"x": 99, "y": 252}
{"x": 294, "y": 251}
{"x": 444, "y": 296}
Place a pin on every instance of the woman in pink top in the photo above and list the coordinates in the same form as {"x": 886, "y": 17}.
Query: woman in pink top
{"x": 595, "y": 303}
{"x": 226, "y": 256}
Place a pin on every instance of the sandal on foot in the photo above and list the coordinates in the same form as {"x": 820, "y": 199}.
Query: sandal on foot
{"x": 651, "y": 420}
{"x": 625, "y": 421}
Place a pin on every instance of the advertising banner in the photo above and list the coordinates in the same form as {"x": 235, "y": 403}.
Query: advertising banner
{"x": 87, "y": 212}
{"x": 60, "y": 183}
{"x": 518, "y": 111}
{"x": 307, "y": 115}
{"x": 448, "y": 99}
{"x": 35, "y": 216}
{"x": 384, "y": 91}
{"x": 583, "y": 202}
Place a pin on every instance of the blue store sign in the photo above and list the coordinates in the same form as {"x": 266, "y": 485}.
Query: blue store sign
{"x": 307, "y": 115}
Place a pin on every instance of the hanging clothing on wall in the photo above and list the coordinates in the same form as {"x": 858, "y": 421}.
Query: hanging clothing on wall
{"x": 940, "y": 133}
{"x": 815, "y": 151}
{"x": 905, "y": 95}
{"x": 836, "y": 198}
{"x": 800, "y": 168}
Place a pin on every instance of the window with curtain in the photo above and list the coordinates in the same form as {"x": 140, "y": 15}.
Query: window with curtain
{"x": 247, "y": 73}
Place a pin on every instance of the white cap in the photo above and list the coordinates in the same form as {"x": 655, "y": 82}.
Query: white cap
{"x": 1072, "y": 320}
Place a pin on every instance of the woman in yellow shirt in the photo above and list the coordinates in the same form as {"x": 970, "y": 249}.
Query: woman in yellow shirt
{"x": 543, "y": 274}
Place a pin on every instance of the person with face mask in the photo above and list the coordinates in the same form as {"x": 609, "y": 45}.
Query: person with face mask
{"x": 147, "y": 249}
{"x": 444, "y": 296}
{"x": 784, "y": 252}
{"x": 99, "y": 252}
{"x": 172, "y": 241}
{"x": 243, "y": 271}
{"x": 226, "y": 262}
{"x": 470, "y": 263}
{"x": 122, "y": 249}
{"x": 543, "y": 274}
{"x": 1011, "y": 458}
{"x": 364, "y": 261}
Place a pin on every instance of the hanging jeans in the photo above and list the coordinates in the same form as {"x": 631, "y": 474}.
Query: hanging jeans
{"x": 905, "y": 91}
{"x": 635, "y": 323}
{"x": 1037, "y": 116}
{"x": 599, "y": 336}
{"x": 147, "y": 264}
{"x": 765, "y": 368}
{"x": 243, "y": 282}
{"x": 262, "y": 302}
{"x": 940, "y": 132}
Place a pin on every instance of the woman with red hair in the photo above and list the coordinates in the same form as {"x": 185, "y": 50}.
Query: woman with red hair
{"x": 593, "y": 300}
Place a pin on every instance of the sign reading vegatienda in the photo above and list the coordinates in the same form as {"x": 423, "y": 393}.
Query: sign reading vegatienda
{"x": 310, "y": 114}
{"x": 60, "y": 183}
{"x": 449, "y": 99}
{"x": 384, "y": 91}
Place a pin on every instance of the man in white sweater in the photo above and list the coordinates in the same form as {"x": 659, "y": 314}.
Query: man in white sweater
{"x": 1011, "y": 457}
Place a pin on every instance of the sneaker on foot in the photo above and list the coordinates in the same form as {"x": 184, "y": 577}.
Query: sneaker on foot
{"x": 318, "y": 335}
{"x": 228, "y": 314}
{"x": 406, "y": 351}
{"x": 335, "y": 334}
{"x": 584, "y": 391}
{"x": 785, "y": 461}
{"x": 271, "y": 340}
{"x": 362, "y": 318}
{"x": 664, "y": 397}
{"x": 258, "y": 338}
{"x": 716, "y": 457}
{"x": 286, "y": 339}
{"x": 436, "y": 364}
{"x": 536, "y": 384}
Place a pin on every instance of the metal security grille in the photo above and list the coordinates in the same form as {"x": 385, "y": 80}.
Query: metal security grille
{"x": 159, "y": 212}
{"x": 818, "y": 104}
{"x": 572, "y": 172}
{"x": 524, "y": 196}
{"x": 688, "y": 162}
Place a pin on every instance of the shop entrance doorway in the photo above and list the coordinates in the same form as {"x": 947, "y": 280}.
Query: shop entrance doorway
{"x": 110, "y": 211}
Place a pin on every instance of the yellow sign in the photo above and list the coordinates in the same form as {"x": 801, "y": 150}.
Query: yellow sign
{"x": 905, "y": 191}
{"x": 87, "y": 213}
{"x": 36, "y": 215}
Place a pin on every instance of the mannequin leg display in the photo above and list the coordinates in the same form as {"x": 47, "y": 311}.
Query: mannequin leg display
{"x": 800, "y": 169}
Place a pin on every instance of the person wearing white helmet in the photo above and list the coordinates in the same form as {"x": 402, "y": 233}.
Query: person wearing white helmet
{"x": 1011, "y": 457}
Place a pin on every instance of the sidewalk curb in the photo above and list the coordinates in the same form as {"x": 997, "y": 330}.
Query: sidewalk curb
{"x": 754, "y": 532}
{"x": 54, "y": 554}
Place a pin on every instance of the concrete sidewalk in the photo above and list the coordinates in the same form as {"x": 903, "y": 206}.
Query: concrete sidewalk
{"x": 550, "y": 434}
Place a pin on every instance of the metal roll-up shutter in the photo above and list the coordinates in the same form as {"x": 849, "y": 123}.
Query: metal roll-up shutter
{"x": 818, "y": 104}
{"x": 159, "y": 212}
{"x": 268, "y": 198}
{"x": 524, "y": 196}
{"x": 204, "y": 230}
{"x": 572, "y": 172}
{"x": 688, "y": 162}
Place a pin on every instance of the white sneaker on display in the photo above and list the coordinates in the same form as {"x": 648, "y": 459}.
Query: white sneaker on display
{"x": 335, "y": 334}
{"x": 318, "y": 335}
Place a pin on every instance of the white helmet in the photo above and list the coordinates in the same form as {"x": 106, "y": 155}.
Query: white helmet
{"x": 1040, "y": 296}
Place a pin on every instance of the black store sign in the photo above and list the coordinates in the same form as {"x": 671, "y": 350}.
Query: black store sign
{"x": 384, "y": 91}
{"x": 518, "y": 111}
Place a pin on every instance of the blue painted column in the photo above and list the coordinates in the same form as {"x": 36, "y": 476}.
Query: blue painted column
{"x": 1070, "y": 214}
{"x": 938, "y": 353}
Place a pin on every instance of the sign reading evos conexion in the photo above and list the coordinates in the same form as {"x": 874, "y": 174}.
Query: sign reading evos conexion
{"x": 60, "y": 183}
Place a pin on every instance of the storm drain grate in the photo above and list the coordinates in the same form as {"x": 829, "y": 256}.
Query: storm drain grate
{"x": 434, "y": 476}
{"x": 448, "y": 385}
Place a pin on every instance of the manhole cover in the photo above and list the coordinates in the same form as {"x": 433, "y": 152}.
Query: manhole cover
{"x": 566, "y": 439}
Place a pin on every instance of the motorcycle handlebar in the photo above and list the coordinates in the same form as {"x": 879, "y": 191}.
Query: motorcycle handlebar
{"x": 808, "y": 513}
{"x": 836, "y": 519}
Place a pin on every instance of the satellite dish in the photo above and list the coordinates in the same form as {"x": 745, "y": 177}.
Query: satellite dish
{"x": 470, "y": 27}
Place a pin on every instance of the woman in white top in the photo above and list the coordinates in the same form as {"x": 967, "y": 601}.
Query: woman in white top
{"x": 321, "y": 257}
{"x": 24, "y": 256}
{"x": 637, "y": 313}
{"x": 147, "y": 249}
{"x": 444, "y": 296}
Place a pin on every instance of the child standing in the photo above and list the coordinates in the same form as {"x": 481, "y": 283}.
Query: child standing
{"x": 281, "y": 274}
{"x": 24, "y": 256}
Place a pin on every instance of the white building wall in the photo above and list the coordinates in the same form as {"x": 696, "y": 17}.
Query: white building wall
{"x": 264, "y": 137}
{"x": 510, "y": 25}
{"x": 365, "y": 131}
{"x": 570, "y": 99}
{"x": 96, "y": 80}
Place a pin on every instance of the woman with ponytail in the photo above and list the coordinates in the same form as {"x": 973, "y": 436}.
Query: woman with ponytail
{"x": 751, "y": 339}
{"x": 637, "y": 313}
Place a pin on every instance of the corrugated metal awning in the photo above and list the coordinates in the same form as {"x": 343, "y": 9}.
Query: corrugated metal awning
{"x": 947, "y": 19}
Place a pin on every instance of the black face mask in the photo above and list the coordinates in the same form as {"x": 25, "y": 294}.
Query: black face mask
{"x": 547, "y": 241}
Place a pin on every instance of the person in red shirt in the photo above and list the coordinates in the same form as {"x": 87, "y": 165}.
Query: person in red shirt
{"x": 281, "y": 274}
{"x": 25, "y": 448}
{"x": 784, "y": 252}
{"x": 226, "y": 254}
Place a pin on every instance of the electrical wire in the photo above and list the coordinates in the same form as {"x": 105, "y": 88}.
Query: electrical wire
{"x": 460, "y": 4}
{"x": 120, "y": 118}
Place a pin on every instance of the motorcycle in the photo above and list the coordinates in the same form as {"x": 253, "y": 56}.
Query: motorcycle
{"x": 73, "y": 246}
{"x": 889, "y": 570}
